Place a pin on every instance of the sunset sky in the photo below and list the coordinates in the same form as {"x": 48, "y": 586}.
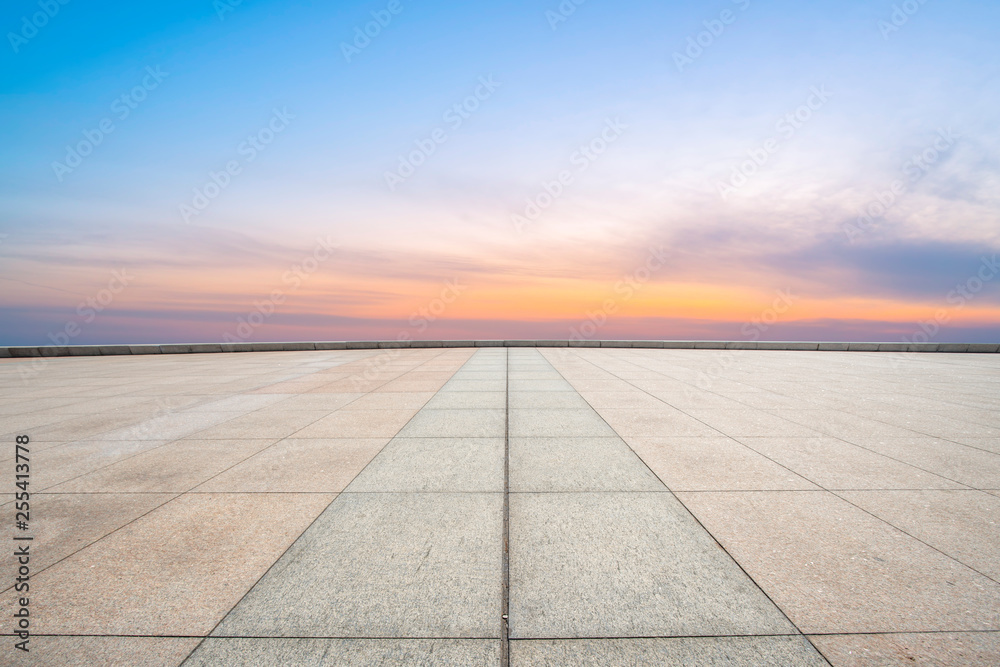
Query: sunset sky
{"x": 200, "y": 171}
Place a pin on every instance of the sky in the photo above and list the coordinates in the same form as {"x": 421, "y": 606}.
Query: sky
{"x": 205, "y": 171}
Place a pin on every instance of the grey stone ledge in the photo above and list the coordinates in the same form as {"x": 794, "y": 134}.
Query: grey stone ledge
{"x": 26, "y": 351}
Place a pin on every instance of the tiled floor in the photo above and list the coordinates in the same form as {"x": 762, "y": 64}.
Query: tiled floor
{"x": 620, "y": 506}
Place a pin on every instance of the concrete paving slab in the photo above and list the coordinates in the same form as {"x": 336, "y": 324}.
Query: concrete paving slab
{"x": 963, "y": 524}
{"x": 655, "y": 652}
{"x": 834, "y": 568}
{"x": 966, "y": 465}
{"x": 624, "y": 565}
{"x": 358, "y": 424}
{"x": 659, "y": 423}
{"x": 173, "y": 468}
{"x": 630, "y": 398}
{"x": 461, "y": 423}
{"x": 384, "y": 565}
{"x": 90, "y": 651}
{"x": 391, "y": 400}
{"x": 555, "y": 384}
{"x": 314, "y": 465}
{"x": 475, "y": 385}
{"x": 319, "y": 402}
{"x": 714, "y": 464}
{"x": 435, "y": 464}
{"x": 965, "y": 649}
{"x": 63, "y": 462}
{"x": 527, "y": 400}
{"x": 835, "y": 464}
{"x": 557, "y": 422}
{"x": 462, "y": 400}
{"x": 750, "y": 422}
{"x": 577, "y": 464}
{"x": 352, "y": 652}
{"x": 166, "y": 567}
{"x": 66, "y": 523}
{"x": 262, "y": 424}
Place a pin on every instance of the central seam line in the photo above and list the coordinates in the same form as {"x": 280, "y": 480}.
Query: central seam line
{"x": 505, "y": 565}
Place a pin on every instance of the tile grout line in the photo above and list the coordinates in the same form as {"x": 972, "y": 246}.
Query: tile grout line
{"x": 176, "y": 494}
{"x": 693, "y": 516}
{"x": 304, "y": 531}
{"x": 819, "y": 406}
{"x": 207, "y": 400}
{"x": 988, "y": 631}
{"x": 505, "y": 563}
{"x": 823, "y": 488}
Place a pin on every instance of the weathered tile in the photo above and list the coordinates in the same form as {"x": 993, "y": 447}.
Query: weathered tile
{"x": 577, "y": 464}
{"x": 835, "y": 464}
{"x": 624, "y": 565}
{"x": 557, "y": 422}
{"x": 688, "y": 651}
{"x": 175, "y": 467}
{"x": 834, "y": 568}
{"x": 963, "y": 524}
{"x": 966, "y": 649}
{"x": 357, "y": 652}
{"x": 358, "y": 424}
{"x": 713, "y": 464}
{"x": 299, "y": 464}
{"x": 462, "y": 423}
{"x": 90, "y": 651}
{"x": 435, "y": 464}
{"x": 384, "y": 565}
{"x": 167, "y": 567}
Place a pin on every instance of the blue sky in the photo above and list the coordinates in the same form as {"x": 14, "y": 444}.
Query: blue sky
{"x": 890, "y": 87}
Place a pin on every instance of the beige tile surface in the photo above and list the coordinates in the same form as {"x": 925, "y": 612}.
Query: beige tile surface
{"x": 834, "y": 568}
{"x": 963, "y": 524}
{"x": 835, "y": 464}
{"x": 122, "y": 556}
{"x": 952, "y": 649}
{"x": 173, "y": 468}
{"x": 713, "y": 464}
{"x": 176, "y": 571}
{"x": 299, "y": 464}
{"x": 659, "y": 423}
{"x": 267, "y": 423}
{"x": 49, "y": 651}
{"x": 358, "y": 424}
{"x": 62, "y": 524}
